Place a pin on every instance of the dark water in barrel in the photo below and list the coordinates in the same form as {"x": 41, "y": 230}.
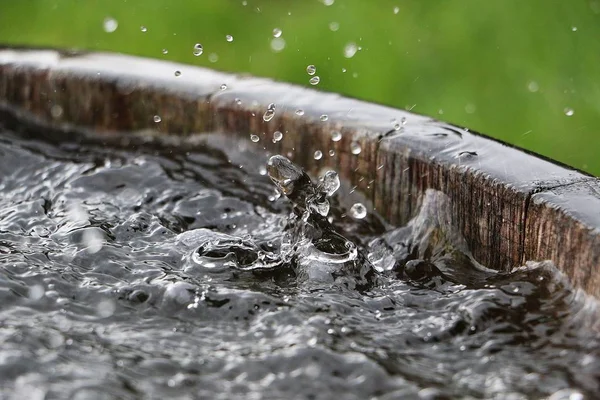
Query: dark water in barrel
{"x": 159, "y": 273}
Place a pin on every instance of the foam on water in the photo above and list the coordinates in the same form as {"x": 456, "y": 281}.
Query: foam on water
{"x": 161, "y": 273}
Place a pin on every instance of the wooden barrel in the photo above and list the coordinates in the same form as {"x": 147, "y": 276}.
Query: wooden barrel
{"x": 510, "y": 205}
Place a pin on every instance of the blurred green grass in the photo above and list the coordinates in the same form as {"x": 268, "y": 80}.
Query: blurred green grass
{"x": 507, "y": 68}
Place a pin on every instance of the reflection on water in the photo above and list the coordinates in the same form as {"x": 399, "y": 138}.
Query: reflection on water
{"x": 166, "y": 274}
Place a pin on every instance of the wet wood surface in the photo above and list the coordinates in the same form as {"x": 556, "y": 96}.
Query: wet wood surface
{"x": 511, "y": 206}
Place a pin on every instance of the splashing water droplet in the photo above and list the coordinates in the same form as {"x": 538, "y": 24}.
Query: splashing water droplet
{"x": 165, "y": 51}
{"x": 300, "y": 112}
{"x": 110, "y": 25}
{"x": 270, "y": 113}
{"x": 336, "y": 136}
{"x": 277, "y": 32}
{"x": 311, "y": 69}
{"x": 334, "y": 26}
{"x": 277, "y": 136}
{"x": 358, "y": 211}
{"x": 355, "y": 148}
{"x": 315, "y": 80}
{"x": 396, "y": 10}
{"x": 143, "y": 29}
{"x": 198, "y": 49}
{"x": 177, "y": 73}
{"x": 157, "y": 118}
{"x": 229, "y": 38}
{"x": 318, "y": 155}
{"x": 350, "y": 50}
{"x": 254, "y": 138}
{"x": 223, "y": 86}
{"x": 569, "y": 112}
{"x": 330, "y": 183}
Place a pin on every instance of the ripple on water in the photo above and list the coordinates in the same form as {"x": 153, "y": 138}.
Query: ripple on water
{"x": 163, "y": 273}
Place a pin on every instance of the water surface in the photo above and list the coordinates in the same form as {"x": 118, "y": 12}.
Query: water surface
{"x": 160, "y": 273}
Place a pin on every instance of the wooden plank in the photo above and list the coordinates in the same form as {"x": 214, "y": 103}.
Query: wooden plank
{"x": 510, "y": 205}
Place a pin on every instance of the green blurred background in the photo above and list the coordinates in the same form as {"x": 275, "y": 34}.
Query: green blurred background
{"x": 524, "y": 71}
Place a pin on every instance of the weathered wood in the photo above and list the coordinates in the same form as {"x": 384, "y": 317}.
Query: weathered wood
{"x": 511, "y": 206}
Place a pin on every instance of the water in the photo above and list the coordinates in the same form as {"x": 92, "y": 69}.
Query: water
{"x": 152, "y": 272}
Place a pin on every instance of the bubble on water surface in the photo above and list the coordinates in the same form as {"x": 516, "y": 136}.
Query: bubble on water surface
{"x": 278, "y": 44}
{"x": 270, "y": 113}
{"x": 355, "y": 148}
{"x": 358, "y": 211}
{"x": 229, "y": 38}
{"x": 569, "y": 112}
{"x": 277, "y": 136}
{"x": 314, "y": 80}
{"x": 157, "y": 118}
{"x": 311, "y": 69}
{"x": 318, "y": 155}
{"x": 254, "y": 138}
{"x": 198, "y": 49}
{"x": 277, "y": 32}
{"x": 110, "y": 25}
{"x": 350, "y": 50}
{"x": 336, "y": 136}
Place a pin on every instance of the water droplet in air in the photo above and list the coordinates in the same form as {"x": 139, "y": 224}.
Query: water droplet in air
{"x": 323, "y": 117}
{"x": 177, "y": 73}
{"x": 328, "y": 2}
{"x": 110, "y": 25}
{"x": 300, "y": 112}
{"x": 336, "y": 136}
{"x": 270, "y": 113}
{"x": 358, "y": 211}
{"x": 56, "y": 111}
{"x": 331, "y": 183}
{"x": 157, "y": 118}
{"x": 395, "y": 124}
{"x": 254, "y": 138}
{"x": 355, "y": 148}
{"x": 396, "y": 10}
{"x": 213, "y": 57}
{"x": 403, "y": 120}
{"x": 350, "y": 50}
{"x": 229, "y": 38}
{"x": 237, "y": 101}
{"x": 106, "y": 308}
{"x": 533, "y": 86}
{"x": 198, "y": 49}
{"x": 331, "y": 153}
{"x": 334, "y": 26}
{"x": 277, "y": 136}
{"x": 223, "y": 86}
{"x": 318, "y": 155}
{"x": 574, "y": 29}
{"x": 311, "y": 69}
{"x": 262, "y": 170}
{"x": 165, "y": 51}
{"x": 569, "y": 112}
{"x": 315, "y": 80}
{"x": 143, "y": 29}
{"x": 277, "y": 32}
{"x": 278, "y": 44}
